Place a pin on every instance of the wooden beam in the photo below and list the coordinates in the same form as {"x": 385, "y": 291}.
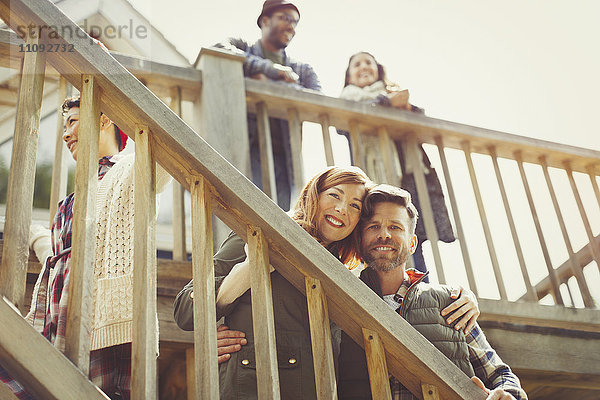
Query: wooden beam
{"x": 265, "y": 147}
{"x": 320, "y": 336}
{"x": 532, "y": 314}
{"x": 377, "y": 366}
{"x": 324, "y": 120}
{"x": 239, "y": 203}
{"x": 19, "y": 198}
{"x": 295, "y": 124}
{"x": 144, "y": 383}
{"x": 179, "y": 241}
{"x": 263, "y": 320}
{"x": 389, "y": 155}
{"x": 81, "y": 289}
{"x": 356, "y": 145}
{"x": 564, "y": 271}
{"x": 205, "y": 315}
{"x": 311, "y": 105}
{"x": 22, "y": 348}
{"x": 430, "y": 392}
{"x": 58, "y": 189}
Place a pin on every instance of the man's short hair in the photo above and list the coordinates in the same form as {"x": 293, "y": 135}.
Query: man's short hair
{"x": 387, "y": 193}
{"x": 75, "y": 101}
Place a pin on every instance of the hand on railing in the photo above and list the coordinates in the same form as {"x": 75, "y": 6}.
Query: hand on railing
{"x": 39, "y": 242}
{"x": 286, "y": 73}
{"x": 228, "y": 341}
{"x": 465, "y": 308}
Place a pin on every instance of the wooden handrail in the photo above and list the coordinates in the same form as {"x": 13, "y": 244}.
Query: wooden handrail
{"x": 295, "y": 254}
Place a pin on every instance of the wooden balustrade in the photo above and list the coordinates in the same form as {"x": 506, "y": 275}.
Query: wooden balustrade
{"x": 217, "y": 187}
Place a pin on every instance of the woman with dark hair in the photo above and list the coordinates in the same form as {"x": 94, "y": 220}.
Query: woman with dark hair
{"x": 366, "y": 81}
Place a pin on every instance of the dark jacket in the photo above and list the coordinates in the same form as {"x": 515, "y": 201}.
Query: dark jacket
{"x": 294, "y": 353}
{"x": 421, "y": 308}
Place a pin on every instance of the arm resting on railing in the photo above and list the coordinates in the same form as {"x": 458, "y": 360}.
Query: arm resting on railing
{"x": 490, "y": 368}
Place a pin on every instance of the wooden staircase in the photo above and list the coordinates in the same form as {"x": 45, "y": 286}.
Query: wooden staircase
{"x": 555, "y": 350}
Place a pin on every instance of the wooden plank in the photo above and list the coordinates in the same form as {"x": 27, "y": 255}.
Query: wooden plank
{"x": 295, "y": 125}
{"x": 79, "y": 308}
{"x": 378, "y": 372}
{"x": 324, "y": 120}
{"x": 205, "y": 315}
{"x": 538, "y": 228}
{"x": 457, "y": 222}
{"x": 263, "y": 322}
{"x": 181, "y": 151}
{"x": 356, "y": 145}
{"x": 513, "y": 229}
{"x": 179, "y": 250}
{"x": 388, "y": 152}
{"x": 189, "y": 373}
{"x": 320, "y": 335}
{"x": 310, "y": 105}
{"x": 484, "y": 221}
{"x": 23, "y": 361}
{"x": 58, "y": 189}
{"x": 577, "y": 272}
{"x": 533, "y": 314}
{"x": 584, "y": 217}
{"x": 265, "y": 146}
{"x": 430, "y": 392}
{"x": 564, "y": 271}
{"x": 21, "y": 177}
{"x": 415, "y": 166}
{"x": 145, "y": 331}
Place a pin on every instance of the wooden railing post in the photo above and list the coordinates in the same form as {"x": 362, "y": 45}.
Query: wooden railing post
{"x": 205, "y": 314}
{"x": 144, "y": 383}
{"x": 377, "y": 366}
{"x": 538, "y": 228}
{"x": 83, "y": 245}
{"x": 179, "y": 245}
{"x": 584, "y": 217}
{"x": 267, "y": 372}
{"x": 320, "y": 336}
{"x": 324, "y": 120}
{"x": 265, "y": 147}
{"x": 511, "y": 222}
{"x": 412, "y": 156}
{"x": 389, "y": 155}
{"x": 220, "y": 113}
{"x": 484, "y": 221}
{"x": 457, "y": 221}
{"x": 295, "y": 125}
{"x": 356, "y": 145}
{"x": 19, "y": 198}
{"x": 58, "y": 189}
{"x": 592, "y": 175}
{"x": 577, "y": 272}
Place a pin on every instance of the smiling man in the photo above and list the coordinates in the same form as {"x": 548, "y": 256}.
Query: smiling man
{"x": 387, "y": 237}
{"x": 267, "y": 60}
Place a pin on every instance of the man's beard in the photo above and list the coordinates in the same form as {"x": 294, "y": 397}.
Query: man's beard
{"x": 387, "y": 264}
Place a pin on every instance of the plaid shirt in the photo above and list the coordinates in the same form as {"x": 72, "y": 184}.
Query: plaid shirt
{"x": 50, "y": 317}
{"x": 257, "y": 63}
{"x": 488, "y": 366}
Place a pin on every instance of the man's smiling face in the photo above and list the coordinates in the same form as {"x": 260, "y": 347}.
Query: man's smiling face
{"x": 387, "y": 239}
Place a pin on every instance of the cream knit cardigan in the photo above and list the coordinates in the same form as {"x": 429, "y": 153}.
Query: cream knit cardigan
{"x": 112, "y": 313}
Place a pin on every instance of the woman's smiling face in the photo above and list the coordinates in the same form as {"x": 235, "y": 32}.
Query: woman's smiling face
{"x": 362, "y": 70}
{"x": 339, "y": 211}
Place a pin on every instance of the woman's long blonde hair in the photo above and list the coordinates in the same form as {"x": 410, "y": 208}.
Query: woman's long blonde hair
{"x": 307, "y": 206}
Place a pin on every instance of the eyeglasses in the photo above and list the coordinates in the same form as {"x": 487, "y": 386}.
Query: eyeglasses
{"x": 287, "y": 18}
